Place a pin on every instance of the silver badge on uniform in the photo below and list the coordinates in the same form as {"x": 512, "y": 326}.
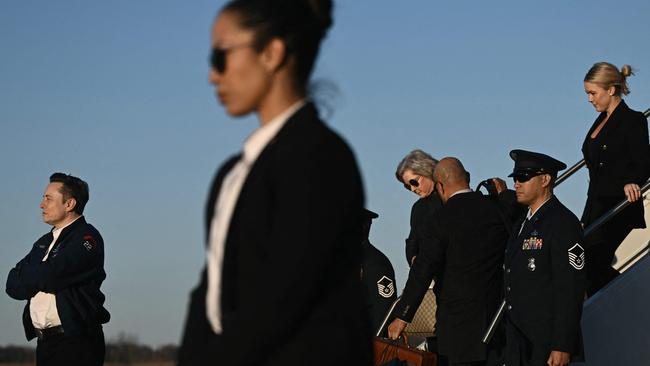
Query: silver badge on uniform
{"x": 531, "y": 264}
{"x": 386, "y": 287}
{"x": 577, "y": 257}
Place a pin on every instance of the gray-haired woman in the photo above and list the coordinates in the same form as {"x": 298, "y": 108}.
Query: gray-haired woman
{"x": 415, "y": 171}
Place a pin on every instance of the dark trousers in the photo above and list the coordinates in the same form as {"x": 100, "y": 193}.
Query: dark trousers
{"x": 77, "y": 350}
{"x": 600, "y": 249}
{"x": 520, "y": 351}
{"x": 494, "y": 352}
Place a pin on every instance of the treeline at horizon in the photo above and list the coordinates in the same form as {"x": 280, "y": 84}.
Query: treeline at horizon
{"x": 123, "y": 349}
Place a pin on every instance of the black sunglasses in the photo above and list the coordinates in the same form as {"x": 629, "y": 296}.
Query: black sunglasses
{"x": 525, "y": 177}
{"x": 411, "y": 183}
{"x": 218, "y": 57}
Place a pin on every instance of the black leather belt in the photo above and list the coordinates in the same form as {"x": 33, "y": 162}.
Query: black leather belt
{"x": 48, "y": 332}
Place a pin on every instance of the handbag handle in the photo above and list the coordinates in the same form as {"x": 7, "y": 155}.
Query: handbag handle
{"x": 392, "y": 345}
{"x": 403, "y": 336}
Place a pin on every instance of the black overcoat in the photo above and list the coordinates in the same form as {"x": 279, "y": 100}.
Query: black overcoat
{"x": 421, "y": 216}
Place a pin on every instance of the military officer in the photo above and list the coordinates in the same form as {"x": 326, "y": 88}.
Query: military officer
{"x": 377, "y": 275}
{"x": 544, "y": 270}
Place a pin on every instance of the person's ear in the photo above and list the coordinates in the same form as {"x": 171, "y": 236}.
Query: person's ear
{"x": 274, "y": 54}
{"x": 439, "y": 187}
{"x": 611, "y": 90}
{"x": 546, "y": 180}
{"x": 70, "y": 204}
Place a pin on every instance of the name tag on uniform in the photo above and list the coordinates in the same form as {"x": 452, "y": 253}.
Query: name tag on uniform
{"x": 532, "y": 243}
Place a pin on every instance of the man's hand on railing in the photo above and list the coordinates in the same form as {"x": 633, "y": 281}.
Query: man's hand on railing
{"x": 632, "y": 192}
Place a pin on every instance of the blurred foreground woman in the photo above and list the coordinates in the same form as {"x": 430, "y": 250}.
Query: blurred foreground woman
{"x": 618, "y": 158}
{"x": 281, "y": 284}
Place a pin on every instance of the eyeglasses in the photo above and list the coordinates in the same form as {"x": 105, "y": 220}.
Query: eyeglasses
{"x": 218, "y": 57}
{"x": 412, "y": 183}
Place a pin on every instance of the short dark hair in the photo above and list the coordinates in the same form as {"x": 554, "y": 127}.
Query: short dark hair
{"x": 301, "y": 25}
{"x": 72, "y": 187}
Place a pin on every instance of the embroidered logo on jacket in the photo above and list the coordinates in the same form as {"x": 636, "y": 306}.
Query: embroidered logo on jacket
{"x": 89, "y": 242}
{"x": 577, "y": 257}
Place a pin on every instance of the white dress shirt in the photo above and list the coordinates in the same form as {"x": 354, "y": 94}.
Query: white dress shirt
{"x": 42, "y": 307}
{"x": 466, "y": 190}
{"x": 225, "y": 205}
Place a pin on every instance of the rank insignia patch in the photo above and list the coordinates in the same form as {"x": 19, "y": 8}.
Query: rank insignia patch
{"x": 577, "y": 257}
{"x": 386, "y": 287}
{"x": 532, "y": 243}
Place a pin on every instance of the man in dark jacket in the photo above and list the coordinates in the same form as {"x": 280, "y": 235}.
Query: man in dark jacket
{"x": 469, "y": 236}
{"x": 61, "y": 277}
{"x": 544, "y": 270}
{"x": 377, "y": 276}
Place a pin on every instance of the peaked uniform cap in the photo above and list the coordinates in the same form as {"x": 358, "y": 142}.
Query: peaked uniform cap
{"x": 529, "y": 162}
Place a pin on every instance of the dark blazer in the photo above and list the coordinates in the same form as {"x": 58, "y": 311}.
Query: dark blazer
{"x": 622, "y": 157}
{"x": 469, "y": 237}
{"x": 421, "y": 216}
{"x": 291, "y": 293}
{"x": 545, "y": 280}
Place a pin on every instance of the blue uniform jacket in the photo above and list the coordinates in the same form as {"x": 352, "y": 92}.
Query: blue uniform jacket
{"x": 545, "y": 280}
{"x": 73, "y": 272}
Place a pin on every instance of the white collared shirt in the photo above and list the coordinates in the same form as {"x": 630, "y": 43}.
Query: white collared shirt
{"x": 466, "y": 190}
{"x": 42, "y": 307}
{"x": 225, "y": 205}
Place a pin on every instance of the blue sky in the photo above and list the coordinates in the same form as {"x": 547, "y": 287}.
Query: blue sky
{"x": 116, "y": 93}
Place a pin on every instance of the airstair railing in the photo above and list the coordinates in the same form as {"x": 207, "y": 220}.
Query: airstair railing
{"x": 614, "y": 211}
{"x": 577, "y": 166}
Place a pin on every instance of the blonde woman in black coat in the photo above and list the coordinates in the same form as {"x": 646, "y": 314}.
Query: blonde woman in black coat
{"x": 618, "y": 158}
